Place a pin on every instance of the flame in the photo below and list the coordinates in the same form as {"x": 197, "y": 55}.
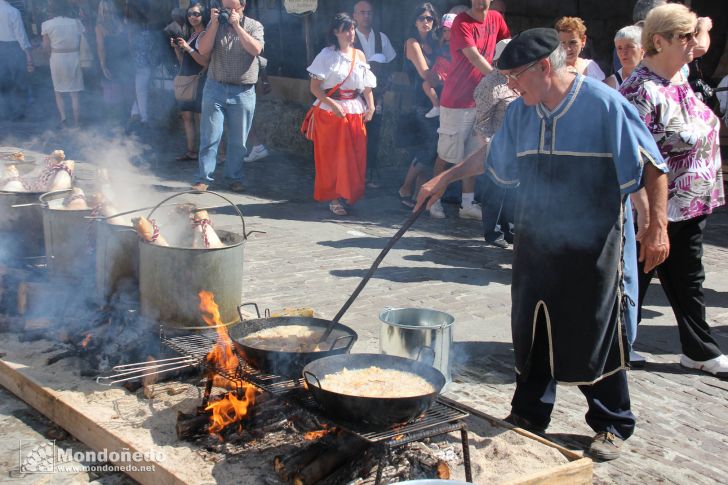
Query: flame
{"x": 86, "y": 340}
{"x": 314, "y": 435}
{"x": 231, "y": 408}
{"x": 221, "y": 356}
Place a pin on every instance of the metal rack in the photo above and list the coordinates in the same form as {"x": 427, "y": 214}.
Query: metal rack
{"x": 440, "y": 418}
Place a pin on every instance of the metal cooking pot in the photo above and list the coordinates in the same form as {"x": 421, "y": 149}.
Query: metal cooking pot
{"x": 405, "y": 331}
{"x": 375, "y": 412}
{"x": 117, "y": 257}
{"x": 287, "y": 363}
{"x": 67, "y": 233}
{"x": 21, "y": 227}
{"x": 170, "y": 278}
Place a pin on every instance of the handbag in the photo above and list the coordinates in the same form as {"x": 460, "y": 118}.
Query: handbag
{"x": 307, "y": 127}
{"x": 185, "y": 87}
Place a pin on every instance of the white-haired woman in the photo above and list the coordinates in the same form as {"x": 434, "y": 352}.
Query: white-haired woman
{"x": 628, "y": 44}
{"x": 686, "y": 131}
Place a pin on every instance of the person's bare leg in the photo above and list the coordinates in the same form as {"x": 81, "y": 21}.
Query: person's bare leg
{"x": 76, "y": 108}
{"x": 408, "y": 186}
{"x": 61, "y": 106}
{"x": 189, "y": 125}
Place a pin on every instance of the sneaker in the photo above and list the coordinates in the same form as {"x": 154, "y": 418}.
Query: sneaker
{"x": 605, "y": 446}
{"x": 524, "y": 423}
{"x": 718, "y": 366}
{"x": 636, "y": 361}
{"x": 498, "y": 243}
{"x": 433, "y": 113}
{"x": 471, "y": 212}
{"x": 200, "y": 186}
{"x": 437, "y": 211}
{"x": 258, "y": 152}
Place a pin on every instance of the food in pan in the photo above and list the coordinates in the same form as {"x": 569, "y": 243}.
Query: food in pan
{"x": 205, "y": 235}
{"x": 148, "y": 231}
{"x": 285, "y": 338}
{"x": 376, "y": 382}
{"x": 76, "y": 200}
{"x": 11, "y": 181}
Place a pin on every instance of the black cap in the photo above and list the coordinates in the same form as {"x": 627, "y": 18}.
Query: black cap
{"x": 527, "y": 47}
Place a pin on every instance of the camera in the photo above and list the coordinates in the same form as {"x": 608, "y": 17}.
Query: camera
{"x": 224, "y": 16}
{"x": 177, "y": 41}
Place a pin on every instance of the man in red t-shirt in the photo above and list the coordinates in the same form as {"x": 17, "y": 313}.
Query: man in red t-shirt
{"x": 474, "y": 35}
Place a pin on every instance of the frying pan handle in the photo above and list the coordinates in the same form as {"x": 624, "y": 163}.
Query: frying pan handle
{"x": 429, "y": 350}
{"x": 348, "y": 344}
{"x": 240, "y": 310}
{"x": 306, "y": 375}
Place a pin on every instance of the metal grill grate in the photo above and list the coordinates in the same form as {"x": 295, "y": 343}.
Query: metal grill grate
{"x": 438, "y": 419}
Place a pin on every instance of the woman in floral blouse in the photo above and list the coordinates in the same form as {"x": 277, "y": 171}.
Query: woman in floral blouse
{"x": 687, "y": 133}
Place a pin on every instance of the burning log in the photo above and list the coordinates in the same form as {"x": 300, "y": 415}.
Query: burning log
{"x": 337, "y": 453}
{"x": 190, "y": 426}
{"x": 286, "y": 466}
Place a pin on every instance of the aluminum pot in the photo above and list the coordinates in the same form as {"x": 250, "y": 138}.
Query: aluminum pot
{"x": 117, "y": 257}
{"x": 21, "y": 226}
{"x": 404, "y": 332}
{"x": 170, "y": 278}
{"x": 68, "y": 238}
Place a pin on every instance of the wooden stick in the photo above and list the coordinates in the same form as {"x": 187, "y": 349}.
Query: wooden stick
{"x": 341, "y": 452}
{"x": 191, "y": 425}
{"x": 286, "y": 466}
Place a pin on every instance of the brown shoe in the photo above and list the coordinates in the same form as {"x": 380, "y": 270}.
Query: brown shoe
{"x": 605, "y": 446}
{"x": 202, "y": 187}
{"x": 237, "y": 187}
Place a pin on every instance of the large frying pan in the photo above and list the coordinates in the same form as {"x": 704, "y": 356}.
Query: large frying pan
{"x": 289, "y": 364}
{"x": 371, "y": 411}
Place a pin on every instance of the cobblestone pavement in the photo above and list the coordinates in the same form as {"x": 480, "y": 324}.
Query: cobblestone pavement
{"x": 307, "y": 257}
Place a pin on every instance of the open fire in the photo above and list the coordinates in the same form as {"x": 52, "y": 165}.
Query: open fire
{"x": 233, "y": 407}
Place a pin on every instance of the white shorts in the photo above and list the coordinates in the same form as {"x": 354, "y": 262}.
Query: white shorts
{"x": 457, "y": 139}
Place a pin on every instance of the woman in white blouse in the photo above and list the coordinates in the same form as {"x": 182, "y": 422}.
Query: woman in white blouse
{"x": 339, "y": 135}
{"x": 628, "y": 44}
{"x": 62, "y": 35}
{"x": 572, "y": 34}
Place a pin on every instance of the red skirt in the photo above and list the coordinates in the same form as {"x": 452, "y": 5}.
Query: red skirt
{"x": 340, "y": 152}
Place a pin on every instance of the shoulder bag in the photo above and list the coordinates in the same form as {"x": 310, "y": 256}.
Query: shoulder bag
{"x": 185, "y": 87}
{"x": 308, "y": 125}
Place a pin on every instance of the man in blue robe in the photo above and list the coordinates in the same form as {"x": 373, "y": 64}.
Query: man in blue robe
{"x": 576, "y": 149}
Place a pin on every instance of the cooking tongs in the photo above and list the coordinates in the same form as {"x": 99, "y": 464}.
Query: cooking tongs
{"x": 139, "y": 370}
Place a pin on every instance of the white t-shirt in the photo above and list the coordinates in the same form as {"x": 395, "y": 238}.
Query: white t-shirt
{"x": 593, "y": 70}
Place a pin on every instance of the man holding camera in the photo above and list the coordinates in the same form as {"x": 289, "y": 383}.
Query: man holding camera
{"x": 232, "y": 42}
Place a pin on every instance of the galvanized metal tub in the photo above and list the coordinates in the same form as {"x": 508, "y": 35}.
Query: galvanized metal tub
{"x": 170, "y": 278}
{"x": 68, "y": 238}
{"x": 406, "y": 332}
{"x": 117, "y": 257}
{"x": 21, "y": 227}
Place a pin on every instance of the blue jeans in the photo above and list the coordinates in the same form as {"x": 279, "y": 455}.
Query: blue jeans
{"x": 233, "y": 102}
{"x": 13, "y": 81}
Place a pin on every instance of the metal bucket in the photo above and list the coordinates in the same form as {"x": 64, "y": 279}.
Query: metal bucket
{"x": 170, "y": 278}
{"x": 68, "y": 241}
{"x": 21, "y": 227}
{"x": 117, "y": 257}
{"x": 405, "y": 332}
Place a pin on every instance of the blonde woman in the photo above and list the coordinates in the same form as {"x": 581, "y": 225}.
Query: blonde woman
{"x": 686, "y": 131}
{"x": 572, "y": 34}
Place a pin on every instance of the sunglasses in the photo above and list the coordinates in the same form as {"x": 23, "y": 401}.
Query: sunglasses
{"x": 194, "y": 14}
{"x": 687, "y": 37}
{"x": 426, "y": 18}
{"x": 514, "y": 77}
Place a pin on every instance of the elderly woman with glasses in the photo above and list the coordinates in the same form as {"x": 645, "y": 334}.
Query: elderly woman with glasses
{"x": 686, "y": 131}
{"x": 572, "y": 35}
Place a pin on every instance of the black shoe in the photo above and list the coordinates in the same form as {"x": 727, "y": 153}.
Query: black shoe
{"x": 636, "y": 361}
{"x": 499, "y": 243}
{"x": 605, "y": 446}
{"x": 523, "y": 423}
